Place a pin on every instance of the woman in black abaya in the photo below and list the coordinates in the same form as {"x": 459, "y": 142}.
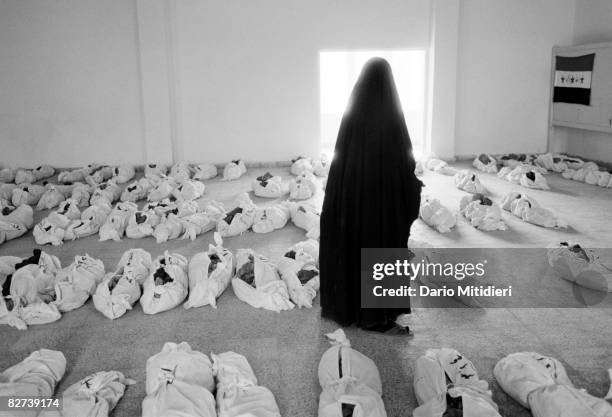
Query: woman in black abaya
{"x": 371, "y": 198}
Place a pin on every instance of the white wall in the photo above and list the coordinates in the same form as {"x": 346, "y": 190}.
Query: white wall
{"x": 69, "y": 86}
{"x": 593, "y": 24}
{"x": 503, "y": 78}
{"x": 248, "y": 71}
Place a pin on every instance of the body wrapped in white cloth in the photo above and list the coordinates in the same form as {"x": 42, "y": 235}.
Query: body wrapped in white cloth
{"x": 95, "y": 395}
{"x": 238, "y": 394}
{"x": 303, "y": 187}
{"x": 302, "y": 280}
{"x": 482, "y": 212}
{"x": 306, "y": 217}
{"x": 270, "y": 218}
{"x": 590, "y": 268}
{"x": 257, "y": 282}
{"x": 541, "y": 384}
{"x": 28, "y": 194}
{"x": 155, "y": 172}
{"x": 167, "y": 285}
{"x": 445, "y": 383}
{"x": 301, "y": 165}
{"x": 485, "y": 163}
{"x": 467, "y": 181}
{"x": 210, "y": 273}
{"x": 35, "y": 376}
{"x": 350, "y": 381}
{"x": 268, "y": 186}
{"x": 436, "y": 215}
{"x": 234, "y": 170}
{"x": 528, "y": 209}
{"x": 179, "y": 382}
{"x": 204, "y": 171}
{"x": 439, "y": 166}
{"x": 238, "y": 220}
{"x": 16, "y": 223}
{"x": 202, "y": 222}
{"x": 117, "y": 221}
{"x": 123, "y": 173}
{"x": 74, "y": 284}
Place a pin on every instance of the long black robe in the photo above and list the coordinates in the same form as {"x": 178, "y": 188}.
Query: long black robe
{"x": 372, "y": 195}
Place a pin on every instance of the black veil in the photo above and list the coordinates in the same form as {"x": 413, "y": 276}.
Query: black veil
{"x": 372, "y": 195}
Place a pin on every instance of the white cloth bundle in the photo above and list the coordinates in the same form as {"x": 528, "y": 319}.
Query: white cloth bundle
{"x": 24, "y": 176}
{"x": 512, "y": 160}
{"x": 137, "y": 190}
{"x": 580, "y": 174}
{"x": 268, "y": 186}
{"x": 306, "y": 251}
{"x": 16, "y": 223}
{"x": 74, "y": 284}
{"x": 590, "y": 268}
{"x": 167, "y": 285}
{"x": 541, "y": 384}
{"x": 170, "y": 228}
{"x": 161, "y": 208}
{"x": 485, "y": 163}
{"x": 481, "y": 212}
{"x": 31, "y": 284}
{"x": 321, "y": 167}
{"x": 436, "y": 215}
{"x": 439, "y": 166}
{"x": 117, "y": 293}
{"x": 51, "y": 198}
{"x": 6, "y": 191}
{"x": 528, "y": 209}
{"x": 123, "y": 173}
{"x": 35, "y": 376}
{"x": 303, "y": 187}
{"x": 533, "y": 179}
{"x": 7, "y": 175}
{"x": 196, "y": 224}
{"x": 136, "y": 263}
{"x": 51, "y": 229}
{"x": 305, "y": 216}
{"x": 43, "y": 172}
{"x": 234, "y": 170}
{"x": 93, "y": 396}
{"x": 179, "y": 382}
{"x": 574, "y": 163}
{"x": 302, "y": 280}
{"x": 186, "y": 208}
{"x": 69, "y": 209}
{"x": 257, "y": 282}
{"x": 7, "y": 266}
{"x": 349, "y": 381}
{"x": 189, "y": 190}
{"x": 116, "y": 222}
{"x": 595, "y": 177}
{"x": 99, "y": 175}
{"x": 238, "y": 220}
{"x": 180, "y": 172}
{"x": 27, "y": 194}
{"x": 209, "y": 275}
{"x": 155, "y": 172}
{"x": 301, "y": 165}
{"x": 162, "y": 190}
{"x": 204, "y": 171}
{"x": 74, "y": 175}
{"x": 238, "y": 394}
{"x": 22, "y": 316}
{"x": 106, "y": 192}
{"x": 81, "y": 193}
{"x": 467, "y": 181}
{"x": 551, "y": 162}
{"x": 445, "y": 383}
{"x": 141, "y": 224}
{"x": 270, "y": 218}
{"x": 92, "y": 219}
